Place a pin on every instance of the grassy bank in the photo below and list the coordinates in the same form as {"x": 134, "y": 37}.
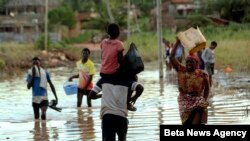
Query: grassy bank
{"x": 233, "y": 49}
{"x": 15, "y": 58}
{"x": 13, "y": 54}
{"x": 233, "y": 45}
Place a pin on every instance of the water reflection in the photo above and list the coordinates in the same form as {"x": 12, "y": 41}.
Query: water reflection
{"x": 212, "y": 107}
{"x": 157, "y": 105}
{"x": 171, "y": 78}
{"x": 86, "y": 124}
{"x": 161, "y": 83}
{"x": 40, "y": 131}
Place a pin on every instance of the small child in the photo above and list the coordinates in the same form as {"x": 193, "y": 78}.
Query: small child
{"x": 111, "y": 52}
{"x": 130, "y": 92}
{"x": 111, "y": 55}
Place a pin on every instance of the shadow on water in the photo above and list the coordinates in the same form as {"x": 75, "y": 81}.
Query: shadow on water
{"x": 157, "y": 105}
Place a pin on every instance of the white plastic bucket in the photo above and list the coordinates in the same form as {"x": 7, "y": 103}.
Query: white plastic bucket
{"x": 70, "y": 88}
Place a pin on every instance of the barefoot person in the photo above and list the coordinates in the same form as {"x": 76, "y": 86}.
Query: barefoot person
{"x": 114, "y": 110}
{"x": 38, "y": 78}
{"x": 209, "y": 60}
{"x": 193, "y": 88}
{"x": 86, "y": 71}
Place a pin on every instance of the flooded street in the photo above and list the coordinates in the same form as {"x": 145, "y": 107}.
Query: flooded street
{"x": 157, "y": 105}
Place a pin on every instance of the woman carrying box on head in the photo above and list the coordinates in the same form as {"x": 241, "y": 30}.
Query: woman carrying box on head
{"x": 193, "y": 88}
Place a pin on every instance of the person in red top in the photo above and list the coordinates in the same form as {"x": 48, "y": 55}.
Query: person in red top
{"x": 193, "y": 88}
{"x": 111, "y": 52}
{"x": 111, "y": 55}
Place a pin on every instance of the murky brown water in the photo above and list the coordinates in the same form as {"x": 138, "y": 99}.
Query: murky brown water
{"x": 157, "y": 105}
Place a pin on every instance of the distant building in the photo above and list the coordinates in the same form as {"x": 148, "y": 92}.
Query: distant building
{"x": 174, "y": 12}
{"x": 24, "y": 17}
{"x": 80, "y": 17}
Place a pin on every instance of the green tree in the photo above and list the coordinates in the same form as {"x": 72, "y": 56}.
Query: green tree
{"x": 144, "y": 5}
{"x": 80, "y": 5}
{"x": 116, "y": 8}
{"x": 198, "y": 20}
{"x": 235, "y": 10}
{"x": 2, "y": 6}
{"x": 62, "y": 15}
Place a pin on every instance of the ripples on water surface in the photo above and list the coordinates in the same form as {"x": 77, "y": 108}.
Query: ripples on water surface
{"x": 157, "y": 105}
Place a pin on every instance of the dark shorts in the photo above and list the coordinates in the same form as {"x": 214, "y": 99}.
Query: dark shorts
{"x": 36, "y": 107}
{"x": 44, "y": 103}
{"x": 109, "y": 76}
{"x": 83, "y": 92}
{"x": 209, "y": 68}
{"x": 112, "y": 125}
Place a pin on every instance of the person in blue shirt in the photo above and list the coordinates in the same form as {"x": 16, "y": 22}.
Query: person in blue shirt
{"x": 208, "y": 56}
{"x": 37, "y": 79}
{"x": 179, "y": 53}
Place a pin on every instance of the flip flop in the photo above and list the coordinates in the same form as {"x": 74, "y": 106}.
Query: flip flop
{"x": 56, "y": 108}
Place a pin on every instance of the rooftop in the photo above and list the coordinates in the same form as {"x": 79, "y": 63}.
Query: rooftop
{"x": 24, "y": 3}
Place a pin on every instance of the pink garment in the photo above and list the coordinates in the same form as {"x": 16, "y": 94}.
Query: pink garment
{"x": 110, "y": 50}
{"x": 83, "y": 80}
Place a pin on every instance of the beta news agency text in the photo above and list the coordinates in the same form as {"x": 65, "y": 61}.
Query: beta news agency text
{"x": 216, "y": 132}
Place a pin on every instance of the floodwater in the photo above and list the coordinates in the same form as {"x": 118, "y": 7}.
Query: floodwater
{"x": 157, "y": 105}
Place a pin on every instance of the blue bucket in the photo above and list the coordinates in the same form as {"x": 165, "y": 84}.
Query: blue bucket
{"x": 70, "y": 88}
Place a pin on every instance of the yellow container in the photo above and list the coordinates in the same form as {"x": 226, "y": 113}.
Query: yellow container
{"x": 192, "y": 39}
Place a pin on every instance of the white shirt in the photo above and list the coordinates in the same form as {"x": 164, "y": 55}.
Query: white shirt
{"x": 114, "y": 96}
{"x": 208, "y": 56}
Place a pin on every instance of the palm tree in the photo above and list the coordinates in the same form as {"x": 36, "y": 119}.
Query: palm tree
{"x": 111, "y": 18}
{"x": 80, "y": 5}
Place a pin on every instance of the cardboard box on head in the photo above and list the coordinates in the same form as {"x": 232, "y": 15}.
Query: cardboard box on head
{"x": 192, "y": 39}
